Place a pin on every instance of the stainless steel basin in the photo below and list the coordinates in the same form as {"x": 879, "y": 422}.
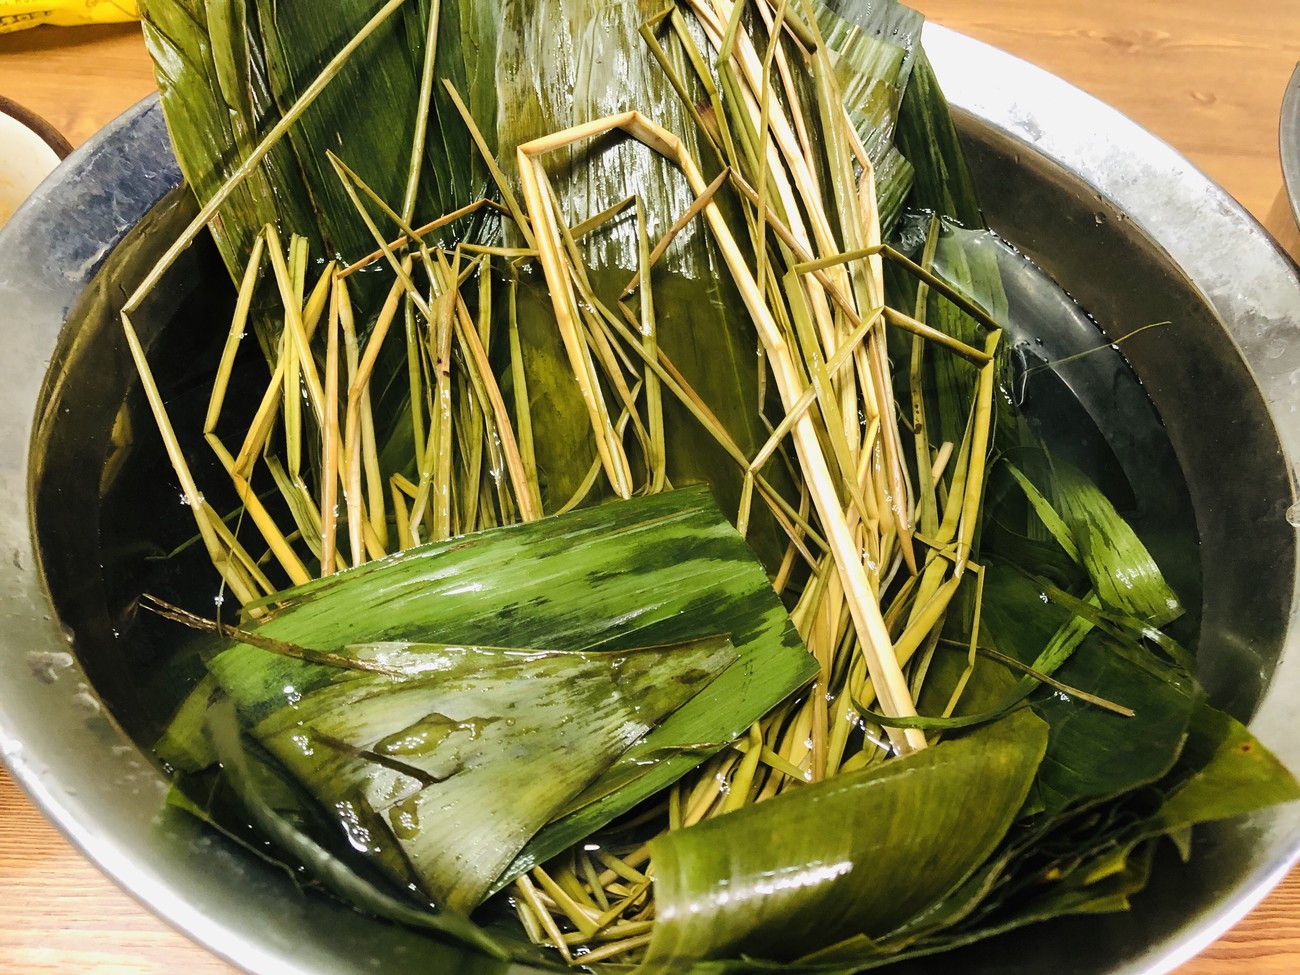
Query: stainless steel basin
{"x": 1121, "y": 221}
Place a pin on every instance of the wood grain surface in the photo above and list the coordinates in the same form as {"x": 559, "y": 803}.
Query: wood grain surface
{"x": 1206, "y": 78}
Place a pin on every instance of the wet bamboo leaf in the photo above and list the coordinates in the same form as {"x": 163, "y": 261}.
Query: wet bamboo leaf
{"x": 1122, "y": 570}
{"x": 230, "y": 70}
{"x": 549, "y": 80}
{"x": 928, "y": 138}
{"x": 655, "y": 570}
{"x": 1092, "y": 752}
{"x": 1234, "y": 774}
{"x": 875, "y": 44}
{"x": 461, "y": 760}
{"x": 185, "y": 745}
{"x": 764, "y": 882}
{"x": 214, "y": 97}
{"x": 251, "y": 781}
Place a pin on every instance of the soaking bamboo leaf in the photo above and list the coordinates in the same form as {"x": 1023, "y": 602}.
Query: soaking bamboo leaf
{"x": 297, "y": 38}
{"x": 761, "y": 881}
{"x": 874, "y": 46}
{"x": 185, "y": 744}
{"x": 655, "y": 570}
{"x": 967, "y": 263}
{"x": 212, "y": 82}
{"x": 928, "y": 138}
{"x": 460, "y": 766}
{"x": 1097, "y": 753}
{"x": 1234, "y": 774}
{"x": 1103, "y": 896}
{"x": 1092, "y": 752}
{"x": 229, "y": 72}
{"x": 699, "y": 327}
{"x": 1122, "y": 570}
{"x": 337, "y": 876}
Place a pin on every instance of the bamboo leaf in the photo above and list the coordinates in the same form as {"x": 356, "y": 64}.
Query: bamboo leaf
{"x": 762, "y": 882}
{"x": 1122, "y": 570}
{"x": 928, "y": 138}
{"x": 459, "y": 766}
{"x": 655, "y": 570}
{"x": 1092, "y": 752}
{"x": 874, "y": 46}
{"x": 202, "y": 57}
{"x": 251, "y": 781}
{"x": 697, "y": 326}
{"x": 229, "y": 71}
{"x": 1234, "y": 774}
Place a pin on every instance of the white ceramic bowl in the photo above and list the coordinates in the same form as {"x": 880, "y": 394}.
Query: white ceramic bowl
{"x": 30, "y": 149}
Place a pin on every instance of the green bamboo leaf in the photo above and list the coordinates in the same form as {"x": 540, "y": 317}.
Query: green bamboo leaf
{"x": 1096, "y": 753}
{"x": 1223, "y": 771}
{"x": 213, "y": 89}
{"x": 1126, "y": 873}
{"x": 967, "y": 263}
{"x": 255, "y": 783}
{"x": 1057, "y": 528}
{"x": 185, "y": 745}
{"x": 874, "y": 45}
{"x": 699, "y": 327}
{"x": 1122, "y": 570}
{"x": 656, "y": 570}
{"x": 1092, "y": 752}
{"x": 762, "y": 882}
{"x": 229, "y": 71}
{"x": 928, "y": 138}
{"x": 460, "y": 766}
{"x": 376, "y": 137}
{"x": 1232, "y": 774}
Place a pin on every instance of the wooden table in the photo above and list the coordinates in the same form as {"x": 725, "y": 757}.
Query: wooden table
{"x": 1205, "y": 79}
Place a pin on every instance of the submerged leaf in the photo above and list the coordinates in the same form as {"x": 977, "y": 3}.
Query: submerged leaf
{"x": 1092, "y": 752}
{"x": 1233, "y": 774}
{"x": 858, "y": 854}
{"x": 460, "y": 766}
{"x": 1123, "y": 572}
{"x": 251, "y": 782}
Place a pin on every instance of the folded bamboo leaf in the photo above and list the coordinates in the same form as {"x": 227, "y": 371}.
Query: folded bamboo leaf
{"x": 1095, "y": 752}
{"x": 898, "y": 837}
{"x": 655, "y": 570}
{"x": 251, "y": 780}
{"x": 1223, "y": 771}
{"x": 461, "y": 766}
{"x": 1112, "y": 893}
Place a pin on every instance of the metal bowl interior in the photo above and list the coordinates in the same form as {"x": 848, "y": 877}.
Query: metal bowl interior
{"x": 1126, "y": 226}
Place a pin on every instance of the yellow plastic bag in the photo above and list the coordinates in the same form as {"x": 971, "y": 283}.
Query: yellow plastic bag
{"x": 20, "y": 14}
